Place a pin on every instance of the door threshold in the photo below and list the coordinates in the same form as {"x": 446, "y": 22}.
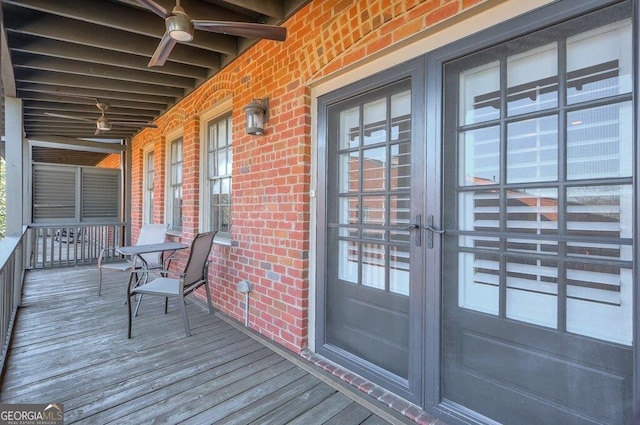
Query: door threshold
{"x": 409, "y": 410}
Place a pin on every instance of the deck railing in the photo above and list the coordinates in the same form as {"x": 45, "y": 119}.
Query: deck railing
{"x": 12, "y": 267}
{"x": 64, "y": 245}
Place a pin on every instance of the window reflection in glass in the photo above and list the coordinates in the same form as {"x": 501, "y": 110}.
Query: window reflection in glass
{"x": 599, "y": 142}
{"x": 532, "y": 150}
{"x": 532, "y": 80}
{"x": 598, "y": 63}
{"x": 479, "y": 152}
{"x": 480, "y": 94}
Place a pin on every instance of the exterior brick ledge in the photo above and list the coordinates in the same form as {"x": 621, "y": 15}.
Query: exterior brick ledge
{"x": 400, "y": 405}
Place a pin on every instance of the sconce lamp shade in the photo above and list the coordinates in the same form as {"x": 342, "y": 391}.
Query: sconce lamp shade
{"x": 256, "y": 115}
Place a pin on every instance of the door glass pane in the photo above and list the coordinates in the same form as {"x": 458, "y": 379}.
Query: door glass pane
{"x": 480, "y": 94}
{"x": 599, "y": 142}
{"x": 401, "y": 116}
{"x": 600, "y": 211}
{"x": 399, "y": 269}
{"x": 532, "y": 288}
{"x": 598, "y": 63}
{"x": 478, "y": 282}
{"x": 373, "y": 265}
{"x": 400, "y": 166}
{"x": 375, "y": 121}
{"x": 399, "y": 210}
{"x": 479, "y": 156}
{"x": 349, "y": 172}
{"x": 374, "y": 209}
{"x": 600, "y": 302}
{"x": 374, "y": 169}
{"x": 348, "y": 210}
{"x": 533, "y": 211}
{"x": 348, "y": 261}
{"x": 350, "y": 128}
{"x": 479, "y": 211}
{"x": 532, "y": 80}
{"x": 532, "y": 150}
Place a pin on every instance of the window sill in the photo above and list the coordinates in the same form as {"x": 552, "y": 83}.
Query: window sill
{"x": 174, "y": 232}
{"x": 222, "y": 241}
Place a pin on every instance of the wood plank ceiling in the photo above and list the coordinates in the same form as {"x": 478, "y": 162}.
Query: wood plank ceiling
{"x": 65, "y": 54}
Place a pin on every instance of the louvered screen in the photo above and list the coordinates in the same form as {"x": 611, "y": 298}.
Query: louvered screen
{"x": 54, "y": 193}
{"x": 100, "y": 189}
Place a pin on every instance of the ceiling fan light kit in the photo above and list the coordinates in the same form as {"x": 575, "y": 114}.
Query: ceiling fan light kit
{"x": 179, "y": 25}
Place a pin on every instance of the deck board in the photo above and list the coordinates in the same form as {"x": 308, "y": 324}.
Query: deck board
{"x": 70, "y": 346}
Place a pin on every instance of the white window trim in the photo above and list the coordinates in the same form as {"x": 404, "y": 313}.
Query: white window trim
{"x": 170, "y": 138}
{"x": 145, "y": 174}
{"x": 221, "y": 108}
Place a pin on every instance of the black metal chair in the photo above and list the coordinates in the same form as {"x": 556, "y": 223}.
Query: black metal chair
{"x": 191, "y": 278}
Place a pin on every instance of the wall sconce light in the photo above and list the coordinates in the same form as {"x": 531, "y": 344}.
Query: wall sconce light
{"x": 256, "y": 114}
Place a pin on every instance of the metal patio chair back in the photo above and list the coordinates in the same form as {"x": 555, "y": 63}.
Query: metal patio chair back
{"x": 186, "y": 282}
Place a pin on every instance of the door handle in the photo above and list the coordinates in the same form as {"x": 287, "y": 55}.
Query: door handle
{"x": 411, "y": 226}
{"x": 431, "y": 230}
{"x": 434, "y": 230}
{"x": 416, "y": 225}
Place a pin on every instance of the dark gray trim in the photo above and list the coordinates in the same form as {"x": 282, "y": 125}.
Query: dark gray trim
{"x": 412, "y": 389}
{"x": 636, "y": 218}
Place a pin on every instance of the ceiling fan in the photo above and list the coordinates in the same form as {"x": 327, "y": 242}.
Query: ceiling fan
{"x": 102, "y": 123}
{"x": 179, "y": 27}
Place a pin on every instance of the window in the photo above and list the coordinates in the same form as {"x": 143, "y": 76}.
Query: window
{"x": 148, "y": 205}
{"x": 174, "y": 192}
{"x": 218, "y": 168}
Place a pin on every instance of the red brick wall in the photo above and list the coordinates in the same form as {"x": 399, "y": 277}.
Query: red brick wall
{"x": 271, "y": 174}
{"x": 111, "y": 161}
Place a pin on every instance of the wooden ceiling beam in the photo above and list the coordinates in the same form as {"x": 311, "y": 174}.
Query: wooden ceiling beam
{"x": 94, "y": 93}
{"x": 29, "y": 61}
{"x": 271, "y": 8}
{"x": 95, "y": 83}
{"x": 65, "y": 50}
{"x": 26, "y": 95}
{"x": 72, "y": 107}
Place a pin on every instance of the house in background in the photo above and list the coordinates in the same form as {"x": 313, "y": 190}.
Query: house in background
{"x": 443, "y": 200}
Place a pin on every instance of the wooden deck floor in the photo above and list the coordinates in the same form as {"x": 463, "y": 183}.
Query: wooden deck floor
{"x": 70, "y": 347}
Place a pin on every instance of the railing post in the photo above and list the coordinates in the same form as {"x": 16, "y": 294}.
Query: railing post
{"x": 18, "y": 277}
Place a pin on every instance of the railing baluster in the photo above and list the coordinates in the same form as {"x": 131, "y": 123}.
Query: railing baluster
{"x": 72, "y": 244}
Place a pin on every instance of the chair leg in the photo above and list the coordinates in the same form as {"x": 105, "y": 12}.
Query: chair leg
{"x": 184, "y": 317}
{"x": 166, "y": 304}
{"x": 208, "y": 291}
{"x": 138, "y": 305}
{"x": 129, "y": 309}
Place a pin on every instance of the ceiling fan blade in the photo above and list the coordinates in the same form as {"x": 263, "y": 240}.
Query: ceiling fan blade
{"x": 162, "y": 51}
{"x": 134, "y": 124}
{"x": 154, "y": 7}
{"x": 69, "y": 117}
{"x": 243, "y": 29}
